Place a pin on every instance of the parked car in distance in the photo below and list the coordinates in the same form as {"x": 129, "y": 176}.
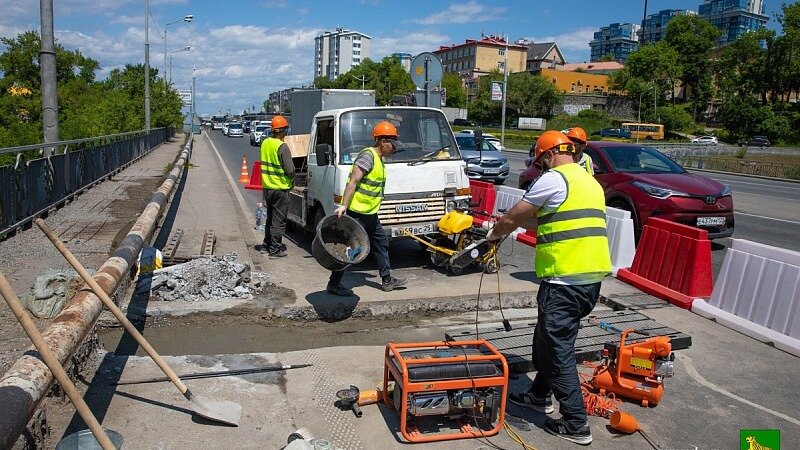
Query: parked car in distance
{"x": 235, "y": 129}
{"x": 463, "y": 123}
{"x": 705, "y": 140}
{"x": 755, "y": 141}
{"x": 225, "y": 128}
{"x": 487, "y": 165}
{"x": 613, "y": 132}
{"x": 642, "y": 180}
{"x": 259, "y": 133}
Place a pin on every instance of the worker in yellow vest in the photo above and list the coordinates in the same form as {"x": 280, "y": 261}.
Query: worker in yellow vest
{"x": 277, "y": 177}
{"x": 572, "y": 258}
{"x": 362, "y": 199}
{"x": 579, "y": 139}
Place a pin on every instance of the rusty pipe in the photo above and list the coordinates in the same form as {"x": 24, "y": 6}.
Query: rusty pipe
{"x": 24, "y": 385}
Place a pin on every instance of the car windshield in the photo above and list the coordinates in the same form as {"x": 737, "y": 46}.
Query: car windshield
{"x": 235, "y": 126}
{"x": 629, "y": 159}
{"x": 420, "y": 132}
{"x": 261, "y": 128}
{"x": 467, "y": 144}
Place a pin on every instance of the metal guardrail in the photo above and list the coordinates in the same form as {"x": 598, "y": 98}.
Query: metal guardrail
{"x": 709, "y": 157}
{"x": 689, "y": 149}
{"x": 30, "y": 188}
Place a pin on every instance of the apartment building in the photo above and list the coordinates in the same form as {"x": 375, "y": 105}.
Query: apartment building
{"x": 618, "y": 40}
{"x": 654, "y": 25}
{"x": 476, "y": 57}
{"x": 338, "y": 51}
{"x": 734, "y": 17}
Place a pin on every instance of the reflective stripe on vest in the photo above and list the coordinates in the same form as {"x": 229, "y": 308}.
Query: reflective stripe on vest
{"x": 272, "y": 175}
{"x": 572, "y": 240}
{"x": 369, "y": 190}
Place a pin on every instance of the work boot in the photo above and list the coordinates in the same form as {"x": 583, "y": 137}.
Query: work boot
{"x": 262, "y": 248}
{"x": 557, "y": 427}
{"x": 278, "y": 254}
{"x": 339, "y": 289}
{"x": 528, "y": 400}
{"x": 390, "y": 283}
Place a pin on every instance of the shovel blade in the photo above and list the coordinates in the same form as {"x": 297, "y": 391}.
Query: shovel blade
{"x": 219, "y": 411}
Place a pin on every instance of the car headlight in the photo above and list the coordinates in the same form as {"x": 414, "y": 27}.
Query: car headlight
{"x": 658, "y": 192}
{"x": 726, "y": 190}
{"x": 462, "y": 204}
{"x": 503, "y": 160}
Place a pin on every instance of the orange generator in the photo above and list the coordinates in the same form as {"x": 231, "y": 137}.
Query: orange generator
{"x": 446, "y": 390}
{"x": 635, "y": 371}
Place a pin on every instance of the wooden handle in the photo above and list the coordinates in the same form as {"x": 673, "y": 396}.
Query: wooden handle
{"x": 54, "y": 365}
{"x": 100, "y": 293}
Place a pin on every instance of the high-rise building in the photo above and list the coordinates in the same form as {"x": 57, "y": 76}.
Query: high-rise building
{"x": 618, "y": 40}
{"x": 734, "y": 17}
{"x": 336, "y": 52}
{"x": 654, "y": 25}
{"x": 404, "y": 59}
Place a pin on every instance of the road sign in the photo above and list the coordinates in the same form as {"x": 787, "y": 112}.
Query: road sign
{"x": 186, "y": 96}
{"x": 497, "y": 91}
{"x": 426, "y": 67}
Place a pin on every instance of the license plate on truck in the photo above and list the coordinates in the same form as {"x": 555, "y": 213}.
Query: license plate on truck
{"x": 710, "y": 221}
{"x": 424, "y": 228}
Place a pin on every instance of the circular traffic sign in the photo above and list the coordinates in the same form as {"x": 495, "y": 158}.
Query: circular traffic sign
{"x": 426, "y": 67}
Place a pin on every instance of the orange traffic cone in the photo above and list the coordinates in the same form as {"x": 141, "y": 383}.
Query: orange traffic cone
{"x": 244, "y": 177}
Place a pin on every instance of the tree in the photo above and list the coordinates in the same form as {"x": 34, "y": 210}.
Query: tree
{"x": 531, "y": 95}
{"x": 456, "y": 94}
{"x": 693, "y": 38}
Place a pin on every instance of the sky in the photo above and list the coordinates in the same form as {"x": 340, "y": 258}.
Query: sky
{"x": 242, "y": 50}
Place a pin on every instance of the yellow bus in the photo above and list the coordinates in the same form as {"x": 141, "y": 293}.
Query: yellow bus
{"x": 646, "y": 131}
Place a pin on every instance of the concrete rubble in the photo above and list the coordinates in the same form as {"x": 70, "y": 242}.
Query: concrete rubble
{"x": 203, "y": 279}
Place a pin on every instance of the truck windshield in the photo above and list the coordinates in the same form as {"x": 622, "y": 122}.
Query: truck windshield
{"x": 420, "y": 132}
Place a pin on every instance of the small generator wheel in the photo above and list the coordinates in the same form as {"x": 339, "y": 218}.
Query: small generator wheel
{"x": 491, "y": 266}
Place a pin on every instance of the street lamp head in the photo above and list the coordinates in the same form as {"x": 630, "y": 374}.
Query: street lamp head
{"x": 188, "y": 48}
{"x": 188, "y": 18}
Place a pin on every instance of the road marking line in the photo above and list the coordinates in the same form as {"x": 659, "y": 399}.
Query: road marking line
{"x": 692, "y": 372}
{"x": 768, "y": 218}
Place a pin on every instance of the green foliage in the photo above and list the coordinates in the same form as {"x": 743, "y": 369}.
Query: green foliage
{"x": 528, "y": 96}
{"x": 741, "y": 153}
{"x": 86, "y": 107}
{"x": 675, "y": 118}
{"x": 693, "y": 38}
{"x": 792, "y": 173}
{"x": 456, "y": 94}
{"x": 387, "y": 78}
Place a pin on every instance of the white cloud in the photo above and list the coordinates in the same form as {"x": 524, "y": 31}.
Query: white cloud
{"x": 458, "y": 13}
{"x": 573, "y": 44}
{"x": 413, "y": 43}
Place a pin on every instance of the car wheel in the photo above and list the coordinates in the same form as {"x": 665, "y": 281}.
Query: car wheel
{"x": 648, "y": 138}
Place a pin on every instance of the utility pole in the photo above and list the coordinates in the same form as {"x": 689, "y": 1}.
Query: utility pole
{"x": 644, "y": 21}
{"x": 146, "y": 66}
{"x": 505, "y": 90}
{"x": 47, "y": 58}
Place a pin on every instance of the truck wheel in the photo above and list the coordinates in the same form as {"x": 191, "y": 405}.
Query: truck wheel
{"x": 318, "y": 215}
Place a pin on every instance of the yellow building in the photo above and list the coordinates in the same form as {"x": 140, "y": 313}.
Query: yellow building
{"x": 577, "y": 82}
{"x": 475, "y": 58}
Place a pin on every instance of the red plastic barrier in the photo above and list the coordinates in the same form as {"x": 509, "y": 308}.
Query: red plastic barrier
{"x": 255, "y": 178}
{"x": 672, "y": 262}
{"x": 483, "y": 194}
{"x": 527, "y": 238}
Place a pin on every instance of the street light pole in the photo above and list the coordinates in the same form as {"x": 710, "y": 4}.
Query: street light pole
{"x": 47, "y": 56}
{"x": 505, "y": 91}
{"x": 185, "y": 49}
{"x": 187, "y": 18}
{"x": 146, "y": 66}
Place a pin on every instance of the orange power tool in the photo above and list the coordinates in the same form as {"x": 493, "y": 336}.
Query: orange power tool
{"x": 635, "y": 371}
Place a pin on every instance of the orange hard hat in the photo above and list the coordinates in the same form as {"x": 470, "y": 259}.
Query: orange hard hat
{"x": 279, "y": 123}
{"x": 384, "y": 128}
{"x": 552, "y": 140}
{"x": 578, "y": 135}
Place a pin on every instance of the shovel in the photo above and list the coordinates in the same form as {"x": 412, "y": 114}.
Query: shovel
{"x": 52, "y": 363}
{"x": 220, "y": 411}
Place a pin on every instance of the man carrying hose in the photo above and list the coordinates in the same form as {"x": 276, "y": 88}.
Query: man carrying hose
{"x": 572, "y": 258}
{"x": 362, "y": 200}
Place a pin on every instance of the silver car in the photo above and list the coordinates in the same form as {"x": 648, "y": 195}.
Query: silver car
{"x": 259, "y": 133}
{"x": 235, "y": 129}
{"x": 487, "y": 165}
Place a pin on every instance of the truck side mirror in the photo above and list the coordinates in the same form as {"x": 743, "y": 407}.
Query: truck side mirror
{"x": 324, "y": 152}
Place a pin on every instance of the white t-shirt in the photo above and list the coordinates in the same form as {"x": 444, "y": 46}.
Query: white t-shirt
{"x": 548, "y": 193}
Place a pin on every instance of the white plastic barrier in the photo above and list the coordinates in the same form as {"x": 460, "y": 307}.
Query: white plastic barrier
{"x": 505, "y": 198}
{"x": 758, "y": 294}
{"x": 620, "y": 238}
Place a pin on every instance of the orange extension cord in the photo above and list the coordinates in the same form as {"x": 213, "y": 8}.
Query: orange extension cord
{"x": 596, "y": 404}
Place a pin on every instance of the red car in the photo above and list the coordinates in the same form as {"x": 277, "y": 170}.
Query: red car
{"x": 647, "y": 183}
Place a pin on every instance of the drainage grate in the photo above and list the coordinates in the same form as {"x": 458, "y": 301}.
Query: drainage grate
{"x": 516, "y": 344}
{"x": 170, "y": 252}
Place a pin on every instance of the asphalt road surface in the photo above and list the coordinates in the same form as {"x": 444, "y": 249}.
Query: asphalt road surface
{"x": 766, "y": 210}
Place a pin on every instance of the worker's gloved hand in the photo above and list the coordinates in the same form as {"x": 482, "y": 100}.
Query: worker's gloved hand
{"x": 340, "y": 211}
{"x": 491, "y": 236}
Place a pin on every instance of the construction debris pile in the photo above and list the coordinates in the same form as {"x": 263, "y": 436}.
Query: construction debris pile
{"x": 203, "y": 279}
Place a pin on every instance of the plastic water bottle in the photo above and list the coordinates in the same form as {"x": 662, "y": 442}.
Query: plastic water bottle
{"x": 261, "y": 217}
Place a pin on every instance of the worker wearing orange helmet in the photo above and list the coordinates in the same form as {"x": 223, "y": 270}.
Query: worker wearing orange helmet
{"x": 362, "y": 199}
{"x": 578, "y": 137}
{"x": 277, "y": 178}
{"x": 572, "y": 258}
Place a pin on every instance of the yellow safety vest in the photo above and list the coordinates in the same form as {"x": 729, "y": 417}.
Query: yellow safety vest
{"x": 588, "y": 164}
{"x": 572, "y": 240}
{"x": 369, "y": 190}
{"x": 272, "y": 175}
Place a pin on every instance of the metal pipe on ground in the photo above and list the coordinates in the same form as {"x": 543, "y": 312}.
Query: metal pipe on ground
{"x": 24, "y": 385}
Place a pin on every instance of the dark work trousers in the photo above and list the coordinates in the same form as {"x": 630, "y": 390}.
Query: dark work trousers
{"x": 378, "y": 243}
{"x": 560, "y": 310}
{"x": 277, "y": 205}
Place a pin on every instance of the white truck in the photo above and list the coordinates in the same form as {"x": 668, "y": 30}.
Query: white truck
{"x": 424, "y": 179}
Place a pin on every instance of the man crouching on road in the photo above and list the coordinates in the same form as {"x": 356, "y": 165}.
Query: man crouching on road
{"x": 362, "y": 199}
{"x": 277, "y": 177}
{"x": 572, "y": 258}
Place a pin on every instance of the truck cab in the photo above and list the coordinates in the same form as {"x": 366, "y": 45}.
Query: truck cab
{"x": 425, "y": 177}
